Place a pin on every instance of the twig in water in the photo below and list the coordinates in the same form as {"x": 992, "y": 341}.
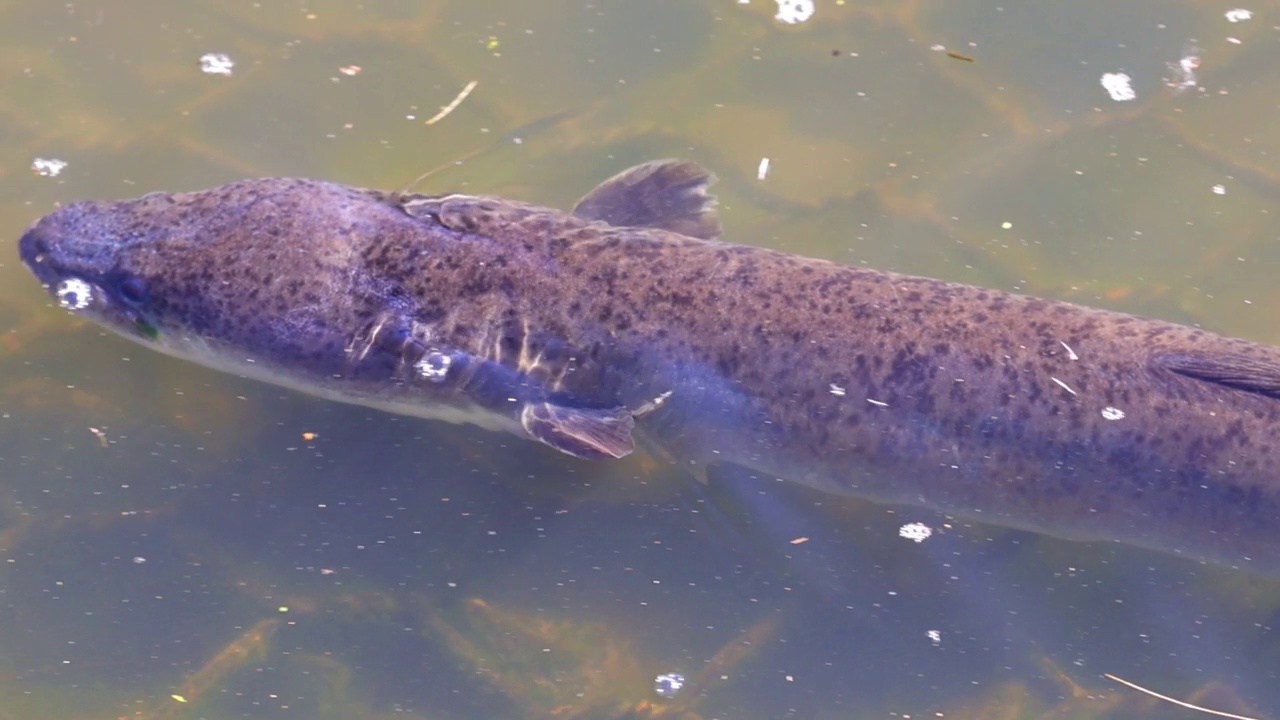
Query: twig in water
{"x": 456, "y": 102}
{"x": 1179, "y": 703}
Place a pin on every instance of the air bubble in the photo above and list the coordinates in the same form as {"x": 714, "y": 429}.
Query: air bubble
{"x": 74, "y": 294}
{"x": 434, "y": 366}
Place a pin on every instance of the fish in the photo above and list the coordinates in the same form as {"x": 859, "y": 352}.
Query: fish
{"x": 628, "y": 323}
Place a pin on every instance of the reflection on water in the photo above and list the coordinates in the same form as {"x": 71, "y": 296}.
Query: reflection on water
{"x": 177, "y": 543}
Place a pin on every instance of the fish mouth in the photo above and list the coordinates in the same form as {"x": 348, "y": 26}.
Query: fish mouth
{"x": 34, "y": 251}
{"x": 78, "y": 293}
{"x": 72, "y": 291}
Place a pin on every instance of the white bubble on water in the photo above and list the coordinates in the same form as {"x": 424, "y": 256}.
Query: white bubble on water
{"x": 1112, "y": 413}
{"x": 434, "y": 366}
{"x": 48, "y": 167}
{"x": 216, "y": 64}
{"x": 917, "y": 532}
{"x": 793, "y": 12}
{"x": 74, "y": 294}
{"x": 668, "y": 684}
{"x": 1118, "y": 87}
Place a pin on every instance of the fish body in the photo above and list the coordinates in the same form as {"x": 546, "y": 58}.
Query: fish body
{"x": 629, "y": 318}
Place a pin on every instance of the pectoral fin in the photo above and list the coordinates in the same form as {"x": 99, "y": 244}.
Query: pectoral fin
{"x": 591, "y": 433}
{"x": 1239, "y": 372}
{"x": 665, "y": 194}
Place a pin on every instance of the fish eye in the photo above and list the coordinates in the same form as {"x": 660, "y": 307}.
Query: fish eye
{"x": 133, "y": 290}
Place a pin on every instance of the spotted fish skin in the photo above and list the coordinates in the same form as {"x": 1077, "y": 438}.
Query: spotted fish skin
{"x": 628, "y": 318}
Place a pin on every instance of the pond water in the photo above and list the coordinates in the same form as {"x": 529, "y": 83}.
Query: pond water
{"x": 178, "y": 543}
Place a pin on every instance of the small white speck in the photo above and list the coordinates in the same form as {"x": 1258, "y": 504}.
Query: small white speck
{"x": 837, "y": 390}
{"x": 1118, "y": 87}
{"x": 139, "y": 560}
{"x": 1006, "y": 225}
{"x": 935, "y": 636}
{"x": 1071, "y": 354}
{"x": 762, "y": 171}
{"x": 938, "y": 47}
{"x": 47, "y": 167}
{"x": 792, "y": 12}
{"x": 74, "y": 294}
{"x": 1238, "y": 15}
{"x": 216, "y": 64}
{"x": 1233, "y": 40}
{"x": 1063, "y": 385}
{"x": 1219, "y": 189}
{"x": 878, "y": 403}
{"x": 1112, "y": 413}
{"x": 916, "y": 532}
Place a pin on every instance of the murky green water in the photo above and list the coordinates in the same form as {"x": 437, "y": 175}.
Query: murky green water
{"x": 177, "y": 543}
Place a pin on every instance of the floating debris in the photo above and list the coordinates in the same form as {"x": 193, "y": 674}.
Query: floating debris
{"x": 1238, "y": 15}
{"x": 939, "y": 47}
{"x": 434, "y": 366}
{"x": 74, "y": 294}
{"x": 793, "y": 12}
{"x": 1118, "y": 87}
{"x": 916, "y": 532}
{"x": 1063, "y": 385}
{"x": 1175, "y": 701}
{"x": 1112, "y": 413}
{"x": 456, "y": 102}
{"x": 762, "y": 171}
{"x": 668, "y": 684}
{"x": 216, "y": 64}
{"x": 1182, "y": 74}
{"x": 837, "y": 390}
{"x": 48, "y": 167}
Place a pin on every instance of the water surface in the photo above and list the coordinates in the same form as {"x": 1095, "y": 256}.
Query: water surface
{"x": 179, "y": 543}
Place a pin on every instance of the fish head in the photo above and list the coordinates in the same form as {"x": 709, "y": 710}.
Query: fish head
{"x": 246, "y": 268}
{"x": 88, "y": 256}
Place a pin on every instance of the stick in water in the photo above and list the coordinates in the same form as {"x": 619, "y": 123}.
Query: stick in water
{"x": 456, "y": 102}
{"x": 1180, "y": 703}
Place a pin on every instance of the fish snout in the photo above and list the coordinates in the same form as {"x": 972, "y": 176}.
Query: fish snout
{"x": 34, "y": 250}
{"x": 40, "y": 252}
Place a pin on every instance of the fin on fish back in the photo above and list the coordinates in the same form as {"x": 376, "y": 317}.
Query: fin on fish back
{"x": 594, "y": 434}
{"x": 664, "y": 194}
{"x": 1238, "y": 372}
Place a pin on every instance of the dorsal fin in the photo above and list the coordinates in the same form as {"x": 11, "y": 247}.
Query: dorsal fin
{"x": 664, "y": 194}
{"x": 1239, "y": 372}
